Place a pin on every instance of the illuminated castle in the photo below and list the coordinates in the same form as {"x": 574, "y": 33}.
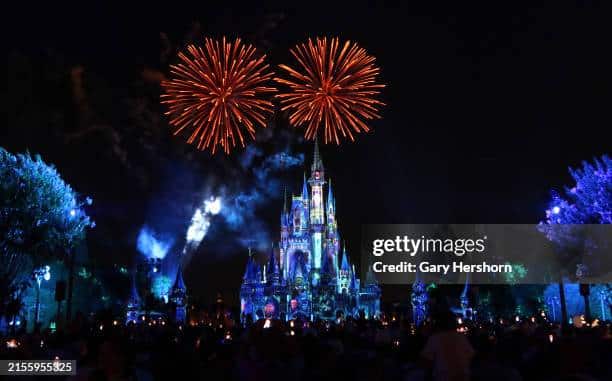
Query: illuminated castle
{"x": 305, "y": 276}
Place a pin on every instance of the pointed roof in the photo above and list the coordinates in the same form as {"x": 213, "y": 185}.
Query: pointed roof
{"x": 326, "y": 266}
{"x": 304, "y": 189}
{"x": 251, "y": 268}
{"x": 345, "y": 265}
{"x": 272, "y": 263}
{"x": 317, "y": 163}
{"x": 285, "y": 200}
{"x": 331, "y": 203}
{"x": 353, "y": 284}
{"x": 134, "y": 297}
{"x": 178, "y": 282}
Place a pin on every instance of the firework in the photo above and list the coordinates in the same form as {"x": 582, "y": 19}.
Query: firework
{"x": 218, "y": 92}
{"x": 335, "y": 86}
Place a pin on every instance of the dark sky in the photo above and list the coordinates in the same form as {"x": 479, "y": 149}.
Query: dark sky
{"x": 487, "y": 106}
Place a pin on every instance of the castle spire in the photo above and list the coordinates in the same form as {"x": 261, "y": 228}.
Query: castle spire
{"x": 179, "y": 284}
{"x": 285, "y": 200}
{"x": 179, "y": 297}
{"x": 250, "y": 274}
{"x": 331, "y": 203}
{"x": 353, "y": 284}
{"x": 272, "y": 263}
{"x": 304, "y": 189}
{"x": 345, "y": 265}
{"x": 134, "y": 297}
{"x": 317, "y": 162}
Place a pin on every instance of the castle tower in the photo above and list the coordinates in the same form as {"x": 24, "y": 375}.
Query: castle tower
{"x": 247, "y": 291}
{"x": 133, "y": 305}
{"x": 178, "y": 296}
{"x": 344, "y": 273}
{"x": 369, "y": 298}
{"x": 273, "y": 269}
{"x": 317, "y": 210}
{"x": 331, "y": 232}
{"x": 284, "y": 235}
{"x": 305, "y": 206}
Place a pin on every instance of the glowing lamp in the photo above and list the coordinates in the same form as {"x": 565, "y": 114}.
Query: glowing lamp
{"x": 12, "y": 343}
{"x": 556, "y": 210}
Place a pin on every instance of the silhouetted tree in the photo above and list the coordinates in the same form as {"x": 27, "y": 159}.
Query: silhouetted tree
{"x": 40, "y": 217}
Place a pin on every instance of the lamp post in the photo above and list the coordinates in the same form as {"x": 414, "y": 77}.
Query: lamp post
{"x": 40, "y": 273}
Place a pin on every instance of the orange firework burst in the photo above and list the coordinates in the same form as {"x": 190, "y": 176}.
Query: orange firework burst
{"x": 336, "y": 87}
{"x": 217, "y": 91}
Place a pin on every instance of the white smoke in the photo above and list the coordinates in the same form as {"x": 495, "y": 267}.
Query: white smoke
{"x": 200, "y": 223}
{"x": 151, "y": 245}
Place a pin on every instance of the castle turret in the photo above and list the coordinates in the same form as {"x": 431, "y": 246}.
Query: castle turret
{"x": 273, "y": 269}
{"x": 133, "y": 304}
{"x": 284, "y": 234}
{"x": 316, "y": 181}
{"x": 344, "y": 273}
{"x": 250, "y": 274}
{"x": 353, "y": 286}
{"x": 328, "y": 271}
{"x": 317, "y": 209}
{"x": 305, "y": 191}
{"x": 178, "y": 296}
{"x": 331, "y": 208}
{"x": 369, "y": 298}
{"x": 331, "y": 231}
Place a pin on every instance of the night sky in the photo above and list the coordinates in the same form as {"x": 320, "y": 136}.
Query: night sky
{"x": 487, "y": 107}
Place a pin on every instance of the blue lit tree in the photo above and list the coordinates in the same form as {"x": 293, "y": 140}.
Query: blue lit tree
{"x": 588, "y": 201}
{"x": 41, "y": 218}
{"x": 419, "y": 299}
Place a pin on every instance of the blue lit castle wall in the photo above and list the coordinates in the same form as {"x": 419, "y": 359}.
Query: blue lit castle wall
{"x": 304, "y": 276}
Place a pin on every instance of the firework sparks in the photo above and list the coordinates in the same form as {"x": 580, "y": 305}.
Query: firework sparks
{"x": 334, "y": 87}
{"x": 218, "y": 92}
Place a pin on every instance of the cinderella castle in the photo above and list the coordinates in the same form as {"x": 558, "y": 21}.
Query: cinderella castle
{"x": 306, "y": 276}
